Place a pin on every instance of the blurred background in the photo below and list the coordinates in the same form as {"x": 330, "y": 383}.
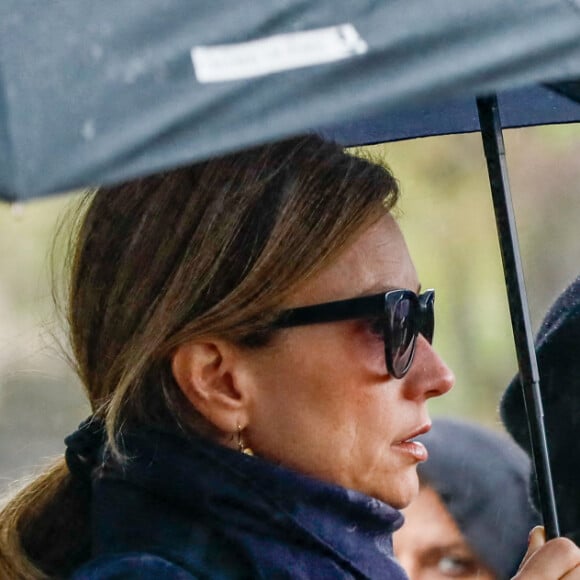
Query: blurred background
{"x": 447, "y": 217}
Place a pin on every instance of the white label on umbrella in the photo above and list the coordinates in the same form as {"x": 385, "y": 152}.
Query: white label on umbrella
{"x": 229, "y": 62}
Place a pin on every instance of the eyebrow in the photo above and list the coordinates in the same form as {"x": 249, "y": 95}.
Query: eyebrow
{"x": 379, "y": 288}
{"x": 456, "y": 545}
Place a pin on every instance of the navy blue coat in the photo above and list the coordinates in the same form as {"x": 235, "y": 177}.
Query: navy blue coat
{"x": 183, "y": 508}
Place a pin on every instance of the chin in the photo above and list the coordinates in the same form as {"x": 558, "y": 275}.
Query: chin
{"x": 398, "y": 493}
{"x": 402, "y": 502}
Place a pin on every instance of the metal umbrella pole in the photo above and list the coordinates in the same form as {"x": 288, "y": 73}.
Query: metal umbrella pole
{"x": 493, "y": 145}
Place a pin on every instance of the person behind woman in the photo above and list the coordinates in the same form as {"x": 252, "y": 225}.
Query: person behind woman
{"x": 473, "y": 515}
{"x": 257, "y": 359}
{"x": 557, "y": 350}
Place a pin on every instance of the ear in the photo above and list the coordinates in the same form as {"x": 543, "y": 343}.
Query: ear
{"x": 207, "y": 374}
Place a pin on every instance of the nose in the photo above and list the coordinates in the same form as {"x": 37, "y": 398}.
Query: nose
{"x": 428, "y": 376}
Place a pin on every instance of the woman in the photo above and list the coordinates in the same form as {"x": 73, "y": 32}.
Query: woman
{"x": 461, "y": 525}
{"x": 258, "y": 363}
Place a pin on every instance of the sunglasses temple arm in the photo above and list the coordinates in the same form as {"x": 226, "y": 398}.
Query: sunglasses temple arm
{"x": 367, "y": 306}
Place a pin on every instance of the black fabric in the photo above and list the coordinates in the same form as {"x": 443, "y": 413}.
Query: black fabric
{"x": 558, "y": 354}
{"x": 482, "y": 477}
{"x": 213, "y": 512}
{"x": 84, "y": 448}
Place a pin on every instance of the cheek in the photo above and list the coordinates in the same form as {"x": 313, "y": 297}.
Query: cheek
{"x": 370, "y": 348}
{"x": 347, "y": 355}
{"x": 339, "y": 372}
{"x": 319, "y": 379}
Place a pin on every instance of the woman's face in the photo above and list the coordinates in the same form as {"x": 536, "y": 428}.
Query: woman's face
{"x": 430, "y": 546}
{"x": 323, "y": 403}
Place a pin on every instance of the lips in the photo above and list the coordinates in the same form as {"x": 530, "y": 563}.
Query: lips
{"x": 419, "y": 431}
{"x": 414, "y": 450}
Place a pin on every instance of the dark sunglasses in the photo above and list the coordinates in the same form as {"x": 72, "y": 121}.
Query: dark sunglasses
{"x": 400, "y": 314}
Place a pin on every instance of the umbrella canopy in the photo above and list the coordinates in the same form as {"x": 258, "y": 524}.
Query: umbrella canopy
{"x": 521, "y": 107}
{"x": 98, "y": 92}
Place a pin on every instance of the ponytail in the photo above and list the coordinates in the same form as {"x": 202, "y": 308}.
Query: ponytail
{"x": 44, "y": 528}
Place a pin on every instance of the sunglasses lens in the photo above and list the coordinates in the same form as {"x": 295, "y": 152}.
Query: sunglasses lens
{"x": 402, "y": 336}
{"x": 427, "y": 324}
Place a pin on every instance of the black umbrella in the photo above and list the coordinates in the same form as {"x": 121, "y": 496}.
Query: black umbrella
{"x": 99, "y": 92}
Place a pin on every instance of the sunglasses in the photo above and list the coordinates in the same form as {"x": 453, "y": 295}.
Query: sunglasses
{"x": 400, "y": 315}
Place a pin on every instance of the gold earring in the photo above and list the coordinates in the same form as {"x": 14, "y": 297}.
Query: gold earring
{"x": 241, "y": 445}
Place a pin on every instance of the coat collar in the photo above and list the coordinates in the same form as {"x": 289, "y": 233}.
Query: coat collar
{"x": 230, "y": 486}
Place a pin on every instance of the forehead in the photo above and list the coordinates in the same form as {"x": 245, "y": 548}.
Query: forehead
{"x": 428, "y": 523}
{"x": 376, "y": 260}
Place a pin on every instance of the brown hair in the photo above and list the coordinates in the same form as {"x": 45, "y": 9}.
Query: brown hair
{"x": 207, "y": 250}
